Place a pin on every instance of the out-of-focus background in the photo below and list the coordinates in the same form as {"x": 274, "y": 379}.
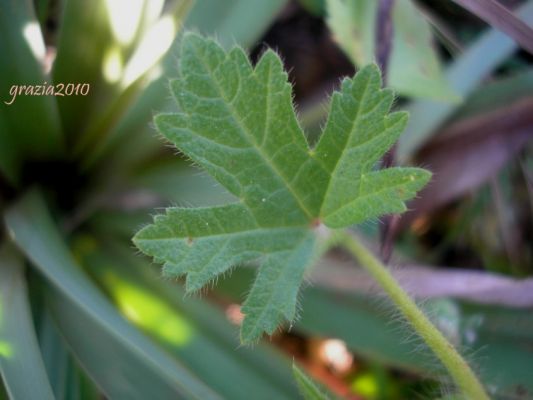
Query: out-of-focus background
{"x": 84, "y": 316}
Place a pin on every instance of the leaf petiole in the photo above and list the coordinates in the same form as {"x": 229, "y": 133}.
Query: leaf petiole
{"x": 458, "y": 368}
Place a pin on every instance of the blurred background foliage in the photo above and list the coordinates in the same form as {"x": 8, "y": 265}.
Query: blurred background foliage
{"x": 82, "y": 316}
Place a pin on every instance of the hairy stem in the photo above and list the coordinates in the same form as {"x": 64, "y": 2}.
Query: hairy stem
{"x": 458, "y": 368}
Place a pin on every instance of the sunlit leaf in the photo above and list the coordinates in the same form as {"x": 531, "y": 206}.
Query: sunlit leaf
{"x": 21, "y": 67}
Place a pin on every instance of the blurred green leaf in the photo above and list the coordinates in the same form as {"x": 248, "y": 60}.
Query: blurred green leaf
{"x": 84, "y": 40}
{"x": 231, "y": 21}
{"x": 106, "y": 353}
{"x": 170, "y": 181}
{"x": 3, "y": 390}
{"x": 308, "y": 389}
{"x": 177, "y": 182}
{"x": 463, "y": 75}
{"x": 190, "y": 329}
{"x": 81, "y": 311}
{"x": 414, "y": 68}
{"x": 114, "y": 46}
{"x": 234, "y": 21}
{"x": 315, "y": 7}
{"x": 21, "y": 363}
{"x": 122, "y": 224}
{"x": 496, "y": 336}
{"x": 30, "y": 126}
{"x": 67, "y": 379}
{"x": 54, "y": 352}
{"x": 140, "y": 68}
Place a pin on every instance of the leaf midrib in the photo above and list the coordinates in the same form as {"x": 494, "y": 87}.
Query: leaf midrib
{"x": 248, "y": 136}
{"x": 345, "y": 147}
{"x": 367, "y": 195}
{"x": 271, "y": 294}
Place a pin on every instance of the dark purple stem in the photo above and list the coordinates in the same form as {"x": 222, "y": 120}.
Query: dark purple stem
{"x": 384, "y": 32}
{"x": 384, "y": 28}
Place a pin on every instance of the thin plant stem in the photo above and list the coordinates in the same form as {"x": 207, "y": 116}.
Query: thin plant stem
{"x": 458, "y": 368}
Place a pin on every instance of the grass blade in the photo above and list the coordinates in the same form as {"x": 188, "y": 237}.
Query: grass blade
{"x": 235, "y": 21}
{"x": 104, "y": 353}
{"x": 23, "y": 52}
{"x": 85, "y": 40}
{"x": 82, "y": 308}
{"x": 139, "y": 70}
{"x": 21, "y": 363}
{"x": 66, "y": 377}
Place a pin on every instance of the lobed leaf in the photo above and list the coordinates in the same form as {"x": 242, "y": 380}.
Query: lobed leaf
{"x": 238, "y": 123}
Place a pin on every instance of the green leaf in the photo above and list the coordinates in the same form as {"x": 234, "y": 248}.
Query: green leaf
{"x": 414, "y": 68}
{"x": 84, "y": 37}
{"x": 21, "y": 65}
{"x": 239, "y": 124}
{"x": 21, "y": 363}
{"x": 307, "y": 387}
{"x": 234, "y": 21}
{"x": 118, "y": 52}
{"x": 231, "y": 21}
{"x": 81, "y": 311}
{"x": 67, "y": 379}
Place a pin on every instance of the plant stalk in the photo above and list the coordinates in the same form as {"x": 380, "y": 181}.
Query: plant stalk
{"x": 458, "y": 368}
